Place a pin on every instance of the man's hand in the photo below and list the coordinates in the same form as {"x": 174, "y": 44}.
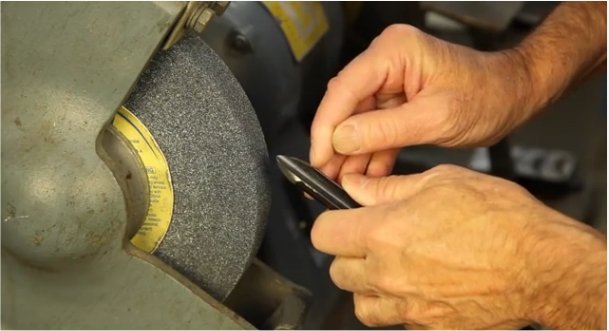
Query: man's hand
{"x": 409, "y": 88}
{"x": 454, "y": 249}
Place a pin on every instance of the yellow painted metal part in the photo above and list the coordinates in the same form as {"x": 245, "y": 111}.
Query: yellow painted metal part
{"x": 303, "y": 22}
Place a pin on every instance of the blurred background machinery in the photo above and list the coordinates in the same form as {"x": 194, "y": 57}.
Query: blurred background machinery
{"x": 139, "y": 188}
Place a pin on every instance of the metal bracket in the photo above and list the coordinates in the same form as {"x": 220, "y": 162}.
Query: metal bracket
{"x": 196, "y": 16}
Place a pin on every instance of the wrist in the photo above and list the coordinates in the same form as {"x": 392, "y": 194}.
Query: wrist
{"x": 567, "y": 270}
{"x": 518, "y": 79}
{"x": 569, "y": 44}
{"x": 546, "y": 81}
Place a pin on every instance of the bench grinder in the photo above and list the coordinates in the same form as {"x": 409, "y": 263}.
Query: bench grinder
{"x": 134, "y": 174}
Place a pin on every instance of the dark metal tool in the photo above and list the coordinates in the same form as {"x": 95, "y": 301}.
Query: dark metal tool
{"x": 316, "y": 184}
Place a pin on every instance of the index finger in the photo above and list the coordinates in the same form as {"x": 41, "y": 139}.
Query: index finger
{"x": 343, "y": 232}
{"x": 360, "y": 79}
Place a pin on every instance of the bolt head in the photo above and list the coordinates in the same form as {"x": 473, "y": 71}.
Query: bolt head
{"x": 203, "y": 20}
{"x": 241, "y": 43}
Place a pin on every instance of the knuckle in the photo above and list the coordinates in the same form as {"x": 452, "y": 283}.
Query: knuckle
{"x": 384, "y": 185}
{"x": 519, "y": 189}
{"x": 378, "y": 133}
{"x": 335, "y": 274}
{"x": 400, "y": 30}
{"x": 338, "y": 85}
{"x": 512, "y": 187}
{"x": 445, "y": 169}
{"x": 363, "y": 314}
{"x": 368, "y": 322}
{"x": 334, "y": 82}
{"x": 387, "y": 133}
{"x": 394, "y": 183}
{"x": 440, "y": 175}
{"x": 388, "y": 186}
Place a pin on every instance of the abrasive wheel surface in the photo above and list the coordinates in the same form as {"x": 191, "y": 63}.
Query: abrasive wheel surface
{"x": 209, "y": 133}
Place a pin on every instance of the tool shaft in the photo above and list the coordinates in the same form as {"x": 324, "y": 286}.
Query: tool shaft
{"x": 315, "y": 183}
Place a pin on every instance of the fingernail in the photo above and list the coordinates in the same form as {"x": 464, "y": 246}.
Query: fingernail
{"x": 346, "y": 139}
{"x": 354, "y": 180}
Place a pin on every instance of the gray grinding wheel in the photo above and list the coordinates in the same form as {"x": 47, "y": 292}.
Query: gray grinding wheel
{"x": 211, "y": 138}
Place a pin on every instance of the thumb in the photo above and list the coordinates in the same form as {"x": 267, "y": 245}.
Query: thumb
{"x": 369, "y": 191}
{"x": 412, "y": 123}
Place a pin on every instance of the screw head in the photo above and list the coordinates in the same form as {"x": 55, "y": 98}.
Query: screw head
{"x": 240, "y": 43}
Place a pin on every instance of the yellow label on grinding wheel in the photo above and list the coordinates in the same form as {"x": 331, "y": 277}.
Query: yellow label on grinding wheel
{"x": 302, "y": 22}
{"x": 160, "y": 205}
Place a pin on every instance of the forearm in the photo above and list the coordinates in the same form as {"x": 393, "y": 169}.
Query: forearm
{"x": 566, "y": 47}
{"x": 571, "y": 283}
